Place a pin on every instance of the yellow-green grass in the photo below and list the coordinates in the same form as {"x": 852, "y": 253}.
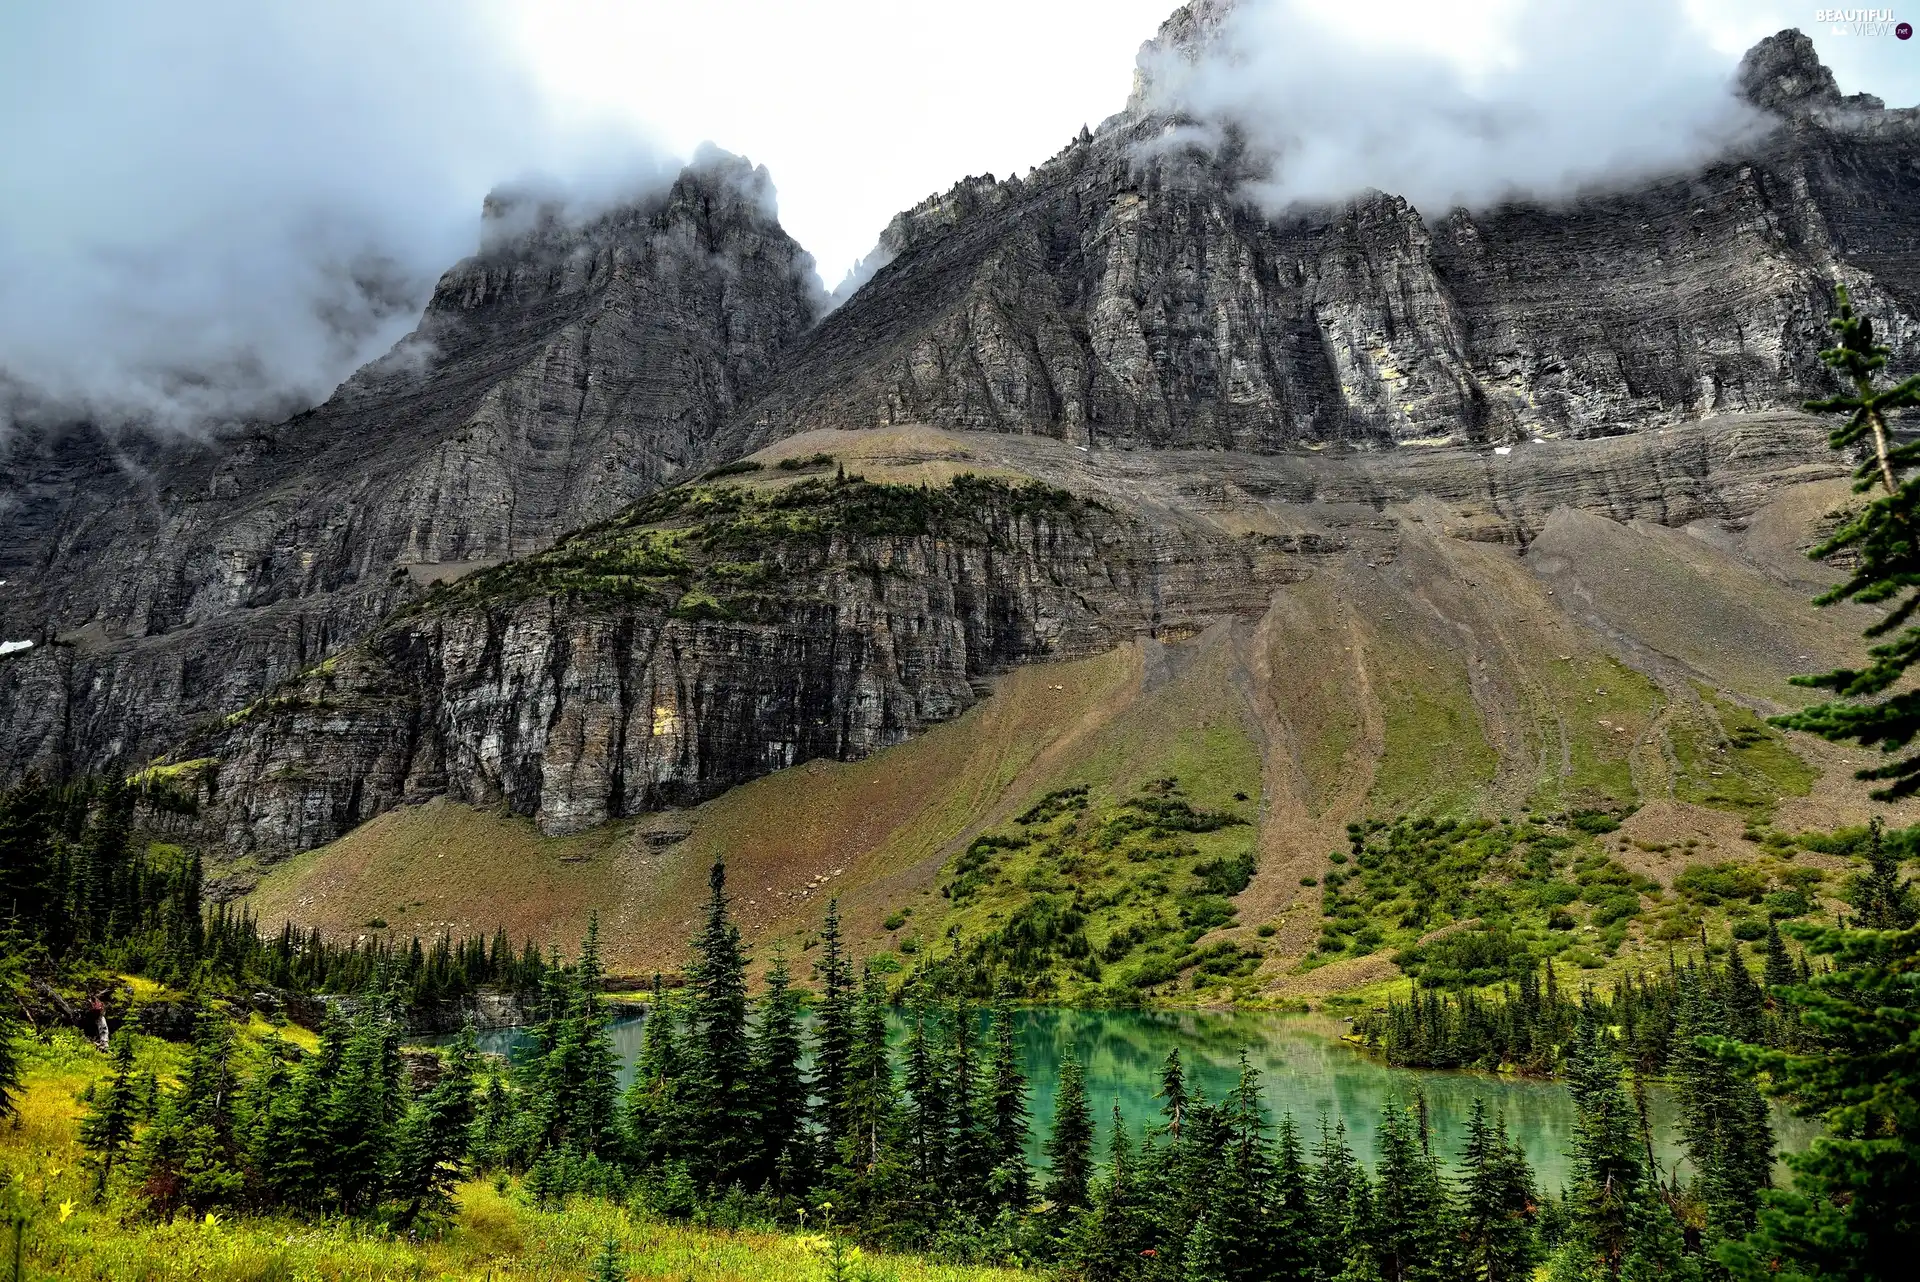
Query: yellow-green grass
{"x": 1434, "y": 754}
{"x": 494, "y": 1235}
{"x": 448, "y": 868}
{"x": 1192, "y": 726}
{"x": 1727, "y": 758}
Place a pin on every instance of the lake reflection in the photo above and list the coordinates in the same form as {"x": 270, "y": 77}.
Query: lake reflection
{"x": 1304, "y": 1070}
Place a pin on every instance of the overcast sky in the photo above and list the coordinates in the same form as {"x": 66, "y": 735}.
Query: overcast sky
{"x": 218, "y": 208}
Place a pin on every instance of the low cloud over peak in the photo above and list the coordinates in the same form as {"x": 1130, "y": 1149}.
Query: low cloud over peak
{"x": 216, "y": 215}
{"x": 1555, "y": 99}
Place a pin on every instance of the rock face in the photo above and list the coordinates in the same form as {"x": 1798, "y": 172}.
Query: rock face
{"x": 706, "y": 638}
{"x": 1123, "y": 299}
{"x": 1125, "y": 293}
{"x": 556, "y": 376}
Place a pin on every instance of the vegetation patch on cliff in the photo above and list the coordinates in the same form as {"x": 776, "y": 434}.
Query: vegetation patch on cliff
{"x": 716, "y": 549}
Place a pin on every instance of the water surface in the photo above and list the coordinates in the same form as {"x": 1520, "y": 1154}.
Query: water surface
{"x": 1305, "y": 1070}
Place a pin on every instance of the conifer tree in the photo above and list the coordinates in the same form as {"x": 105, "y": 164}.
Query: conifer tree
{"x": 969, "y": 1167}
{"x": 1413, "y": 1236}
{"x": 1853, "y": 1209}
{"x": 1338, "y": 1189}
{"x": 835, "y": 1025}
{"x": 1881, "y": 900}
{"x": 1004, "y": 1115}
{"x": 9, "y": 1033}
{"x": 293, "y": 1144}
{"x": 1497, "y": 1204}
{"x": 653, "y": 1127}
{"x": 1295, "y": 1228}
{"x": 1779, "y": 970}
{"x": 1116, "y": 1230}
{"x": 927, "y": 1122}
{"x": 106, "y": 1131}
{"x": 1607, "y": 1169}
{"x": 1069, "y": 1147}
{"x": 362, "y": 1101}
{"x": 869, "y": 1100}
{"x": 1235, "y": 1237}
{"x": 430, "y": 1148}
{"x": 1887, "y": 559}
{"x": 1745, "y": 1004}
{"x": 592, "y": 1114}
{"x": 1723, "y": 1120}
{"x": 719, "y": 1107}
{"x": 609, "y": 1266}
{"x": 188, "y": 1157}
{"x": 779, "y": 1092}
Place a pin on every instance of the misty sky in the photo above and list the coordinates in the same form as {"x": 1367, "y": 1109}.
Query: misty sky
{"x": 217, "y": 209}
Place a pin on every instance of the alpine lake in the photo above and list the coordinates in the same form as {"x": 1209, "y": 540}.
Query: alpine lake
{"x": 1305, "y": 1068}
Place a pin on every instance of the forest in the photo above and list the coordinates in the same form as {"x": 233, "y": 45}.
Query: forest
{"x": 776, "y": 1111}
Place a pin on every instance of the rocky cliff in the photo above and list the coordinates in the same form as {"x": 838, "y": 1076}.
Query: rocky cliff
{"x": 1124, "y": 299}
{"x": 703, "y": 638}
{"x": 1128, "y": 293}
{"x": 568, "y": 368}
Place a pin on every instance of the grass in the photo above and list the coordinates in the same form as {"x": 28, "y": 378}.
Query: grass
{"x": 1727, "y": 758}
{"x": 495, "y": 1233}
{"x": 1089, "y": 896}
{"x": 1434, "y": 752}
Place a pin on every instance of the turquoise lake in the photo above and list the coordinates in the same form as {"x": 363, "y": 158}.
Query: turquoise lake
{"x": 1305, "y": 1069}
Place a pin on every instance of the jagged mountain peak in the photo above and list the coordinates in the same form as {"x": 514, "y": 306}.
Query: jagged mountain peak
{"x": 1783, "y": 74}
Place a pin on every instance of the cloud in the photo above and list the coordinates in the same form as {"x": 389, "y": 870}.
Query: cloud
{"x": 1545, "y": 101}
{"x": 216, "y": 210}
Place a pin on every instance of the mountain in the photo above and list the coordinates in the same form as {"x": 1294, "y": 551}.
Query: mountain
{"x": 1125, "y": 294}
{"x": 1104, "y": 482}
{"x": 556, "y": 376}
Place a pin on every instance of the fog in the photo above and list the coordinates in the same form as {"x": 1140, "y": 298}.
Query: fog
{"x": 1537, "y": 100}
{"x": 216, "y": 212}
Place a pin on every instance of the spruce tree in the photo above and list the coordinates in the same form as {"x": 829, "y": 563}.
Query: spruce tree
{"x": 653, "y": 1125}
{"x": 1338, "y": 1189}
{"x": 430, "y": 1147}
{"x": 362, "y": 1103}
{"x": 1606, "y": 1147}
{"x": 1004, "y": 1117}
{"x": 1778, "y": 972}
{"x": 9, "y": 1034}
{"x": 969, "y": 1169}
{"x": 1295, "y": 1228}
{"x": 1413, "y": 1234}
{"x": 1887, "y": 560}
{"x": 928, "y": 1121}
{"x": 1069, "y": 1147}
{"x": 1881, "y": 900}
{"x": 835, "y": 1029}
{"x": 870, "y": 1101}
{"x": 106, "y": 1131}
{"x": 293, "y": 1146}
{"x": 1853, "y": 1209}
{"x": 188, "y": 1156}
{"x": 610, "y": 1265}
{"x": 720, "y": 1110}
{"x": 1497, "y": 1204}
{"x": 592, "y": 1123}
{"x": 1745, "y": 1004}
{"x": 779, "y": 1091}
{"x": 1116, "y": 1228}
{"x": 1723, "y": 1120}
{"x": 1235, "y": 1238}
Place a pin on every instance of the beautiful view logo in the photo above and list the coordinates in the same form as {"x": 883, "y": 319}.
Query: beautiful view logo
{"x": 1863, "y": 22}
